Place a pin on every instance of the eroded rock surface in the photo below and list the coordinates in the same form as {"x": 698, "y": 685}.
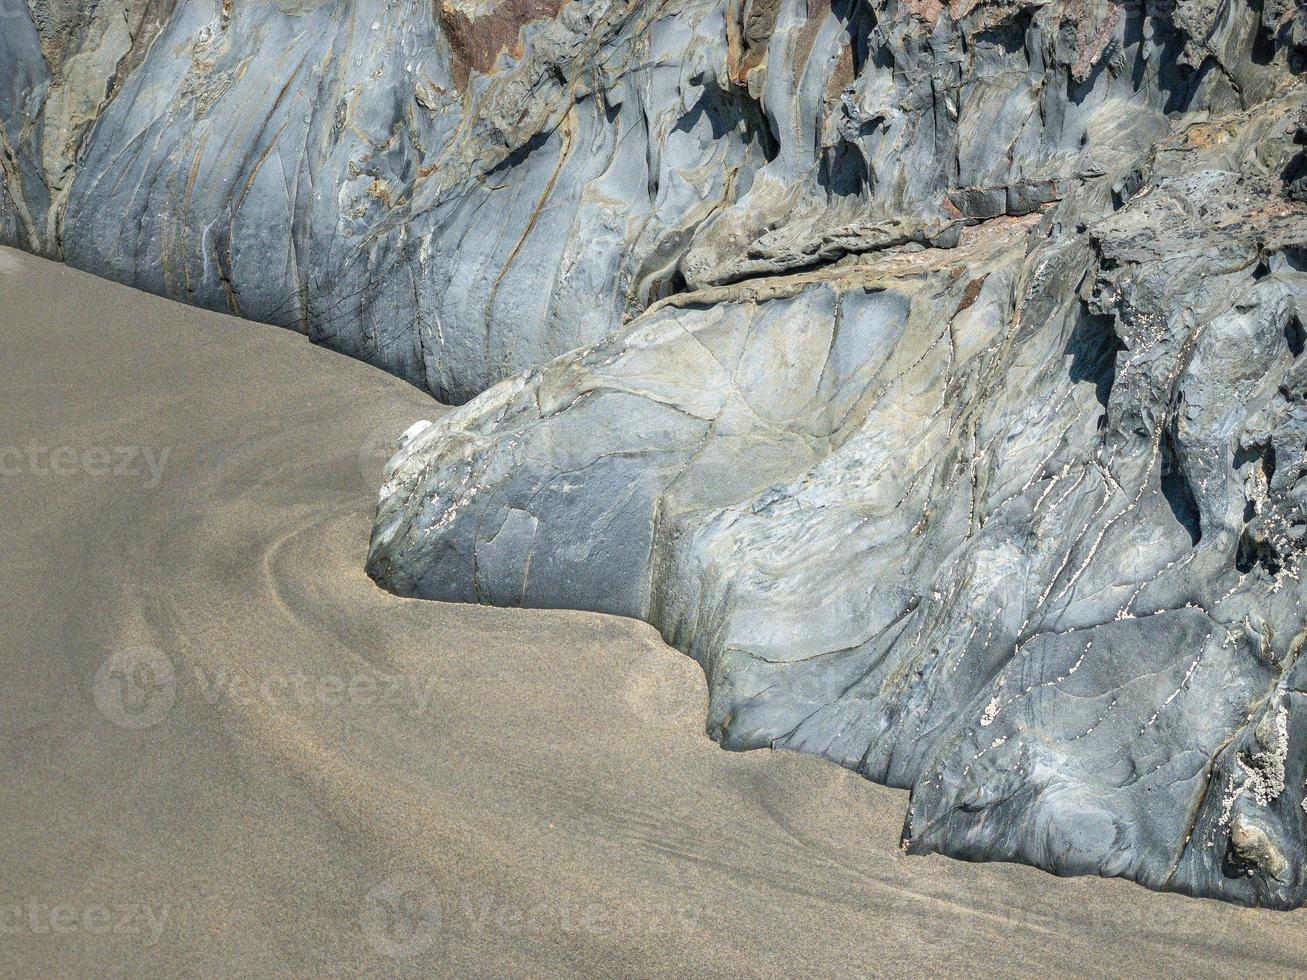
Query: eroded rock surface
{"x": 931, "y": 373}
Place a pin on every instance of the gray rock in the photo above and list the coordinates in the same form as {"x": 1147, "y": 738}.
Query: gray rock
{"x": 457, "y": 192}
{"x": 929, "y": 372}
{"x": 1013, "y": 524}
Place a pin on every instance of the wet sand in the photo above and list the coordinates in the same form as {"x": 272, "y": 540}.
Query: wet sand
{"x": 227, "y": 752}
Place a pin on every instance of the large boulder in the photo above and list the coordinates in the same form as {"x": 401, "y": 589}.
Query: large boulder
{"x": 1016, "y": 524}
{"x": 928, "y": 371}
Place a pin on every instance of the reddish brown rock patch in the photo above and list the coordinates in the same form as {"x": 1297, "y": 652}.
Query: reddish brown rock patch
{"x": 477, "y": 41}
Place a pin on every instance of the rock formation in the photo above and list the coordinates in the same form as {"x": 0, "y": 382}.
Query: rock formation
{"x": 931, "y": 373}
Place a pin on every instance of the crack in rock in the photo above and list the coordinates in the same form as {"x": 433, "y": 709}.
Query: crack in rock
{"x": 930, "y": 372}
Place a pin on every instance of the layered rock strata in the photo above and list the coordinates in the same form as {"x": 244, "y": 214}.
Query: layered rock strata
{"x": 931, "y": 373}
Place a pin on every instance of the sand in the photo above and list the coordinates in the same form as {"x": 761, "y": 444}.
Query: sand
{"x": 227, "y": 752}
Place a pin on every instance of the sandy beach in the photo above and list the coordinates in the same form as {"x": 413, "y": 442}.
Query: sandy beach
{"x": 227, "y": 752}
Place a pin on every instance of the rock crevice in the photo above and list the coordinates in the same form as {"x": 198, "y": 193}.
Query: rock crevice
{"x": 930, "y": 372}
